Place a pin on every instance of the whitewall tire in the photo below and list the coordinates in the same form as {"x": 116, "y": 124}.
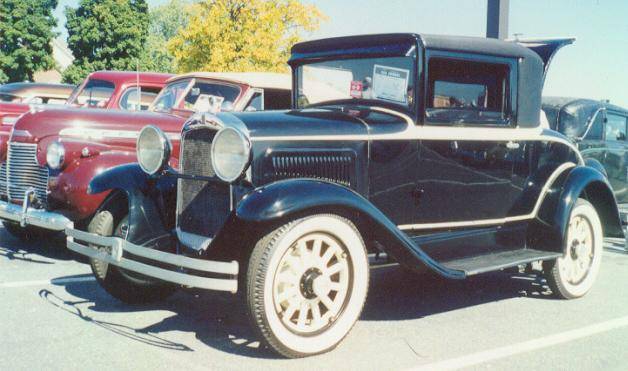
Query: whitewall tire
{"x": 572, "y": 275}
{"x": 306, "y": 284}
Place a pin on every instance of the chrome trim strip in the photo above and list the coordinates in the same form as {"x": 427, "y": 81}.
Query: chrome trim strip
{"x": 474, "y": 223}
{"x": 100, "y": 134}
{"x": 36, "y": 217}
{"x": 119, "y": 245}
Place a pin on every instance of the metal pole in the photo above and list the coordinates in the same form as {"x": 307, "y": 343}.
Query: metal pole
{"x": 497, "y": 19}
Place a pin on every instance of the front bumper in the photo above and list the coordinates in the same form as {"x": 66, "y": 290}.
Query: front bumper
{"x": 25, "y": 215}
{"x": 119, "y": 246}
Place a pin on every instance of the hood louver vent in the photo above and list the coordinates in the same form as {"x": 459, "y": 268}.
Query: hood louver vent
{"x": 337, "y": 167}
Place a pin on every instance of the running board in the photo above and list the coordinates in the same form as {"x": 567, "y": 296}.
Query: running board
{"x": 498, "y": 260}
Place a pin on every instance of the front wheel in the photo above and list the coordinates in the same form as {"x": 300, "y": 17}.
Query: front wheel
{"x": 306, "y": 284}
{"x": 123, "y": 285}
{"x": 572, "y": 275}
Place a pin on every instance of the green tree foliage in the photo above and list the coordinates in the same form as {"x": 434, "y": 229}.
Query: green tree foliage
{"x": 165, "y": 22}
{"x": 26, "y": 30}
{"x": 105, "y": 35}
{"x": 242, "y": 35}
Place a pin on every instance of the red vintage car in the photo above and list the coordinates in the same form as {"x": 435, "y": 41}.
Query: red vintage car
{"x": 44, "y": 180}
{"x": 102, "y": 89}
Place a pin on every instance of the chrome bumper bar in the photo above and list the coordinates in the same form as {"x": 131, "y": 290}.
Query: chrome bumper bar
{"x": 25, "y": 215}
{"x": 119, "y": 246}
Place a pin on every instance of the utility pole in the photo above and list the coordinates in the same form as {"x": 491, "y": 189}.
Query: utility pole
{"x": 497, "y": 19}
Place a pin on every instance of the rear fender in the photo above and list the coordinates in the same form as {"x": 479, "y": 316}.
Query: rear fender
{"x": 285, "y": 200}
{"x": 553, "y": 217}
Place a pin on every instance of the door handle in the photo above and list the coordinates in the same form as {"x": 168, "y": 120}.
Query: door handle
{"x": 512, "y": 145}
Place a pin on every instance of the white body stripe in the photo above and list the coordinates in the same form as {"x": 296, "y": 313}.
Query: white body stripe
{"x": 436, "y": 132}
{"x": 475, "y": 223}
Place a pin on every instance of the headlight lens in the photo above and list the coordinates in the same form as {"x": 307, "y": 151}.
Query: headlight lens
{"x": 153, "y": 149}
{"x": 55, "y": 155}
{"x": 230, "y": 154}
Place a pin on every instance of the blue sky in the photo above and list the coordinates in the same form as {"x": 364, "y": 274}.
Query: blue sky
{"x": 596, "y": 66}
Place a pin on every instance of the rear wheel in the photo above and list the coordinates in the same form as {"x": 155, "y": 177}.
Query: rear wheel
{"x": 306, "y": 285}
{"x": 572, "y": 275}
{"x": 123, "y": 285}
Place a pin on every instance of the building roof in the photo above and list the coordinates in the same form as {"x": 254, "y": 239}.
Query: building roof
{"x": 264, "y": 80}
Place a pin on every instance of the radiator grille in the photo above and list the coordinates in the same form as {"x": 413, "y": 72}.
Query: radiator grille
{"x": 338, "y": 168}
{"x": 203, "y": 205}
{"x": 24, "y": 172}
{"x": 3, "y": 179}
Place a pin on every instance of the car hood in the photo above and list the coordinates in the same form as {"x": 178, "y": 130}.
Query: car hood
{"x": 316, "y": 123}
{"x": 35, "y": 126}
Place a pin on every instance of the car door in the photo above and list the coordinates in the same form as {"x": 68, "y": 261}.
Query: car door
{"x": 615, "y": 161}
{"x": 467, "y": 147}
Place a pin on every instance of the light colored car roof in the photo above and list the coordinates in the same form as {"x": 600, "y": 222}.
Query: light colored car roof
{"x": 264, "y": 80}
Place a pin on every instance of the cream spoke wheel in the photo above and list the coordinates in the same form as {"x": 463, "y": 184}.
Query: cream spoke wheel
{"x": 573, "y": 274}
{"x": 312, "y": 283}
{"x": 578, "y": 258}
{"x": 307, "y": 282}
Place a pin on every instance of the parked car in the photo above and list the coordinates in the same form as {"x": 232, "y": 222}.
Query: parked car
{"x": 119, "y": 90}
{"x": 428, "y": 148}
{"x": 103, "y": 89}
{"x": 44, "y": 181}
{"x": 599, "y": 131}
{"x": 35, "y": 93}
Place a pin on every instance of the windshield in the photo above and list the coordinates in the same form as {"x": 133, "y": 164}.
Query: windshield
{"x": 196, "y": 95}
{"x": 95, "y": 94}
{"x": 389, "y": 79}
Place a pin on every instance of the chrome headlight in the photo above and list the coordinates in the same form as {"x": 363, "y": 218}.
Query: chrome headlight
{"x": 153, "y": 149}
{"x": 55, "y": 155}
{"x": 231, "y": 153}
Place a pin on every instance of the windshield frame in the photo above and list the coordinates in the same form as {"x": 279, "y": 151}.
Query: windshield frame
{"x": 412, "y": 110}
{"x": 192, "y": 82}
{"x": 72, "y": 99}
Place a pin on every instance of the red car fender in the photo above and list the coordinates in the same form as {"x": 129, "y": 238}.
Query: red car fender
{"x": 69, "y": 187}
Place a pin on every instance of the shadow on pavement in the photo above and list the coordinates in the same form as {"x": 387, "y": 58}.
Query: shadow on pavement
{"x": 220, "y": 321}
{"x": 37, "y": 251}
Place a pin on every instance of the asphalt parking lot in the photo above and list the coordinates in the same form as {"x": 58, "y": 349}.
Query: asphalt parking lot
{"x": 54, "y": 316}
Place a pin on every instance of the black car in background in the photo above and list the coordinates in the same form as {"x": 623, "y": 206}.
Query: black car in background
{"x": 599, "y": 130}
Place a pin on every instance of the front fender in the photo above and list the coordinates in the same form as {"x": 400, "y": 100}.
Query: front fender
{"x": 150, "y": 214}
{"x": 581, "y": 182}
{"x": 69, "y": 187}
{"x": 289, "y": 199}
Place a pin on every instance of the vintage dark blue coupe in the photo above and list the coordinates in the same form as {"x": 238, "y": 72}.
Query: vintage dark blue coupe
{"x": 427, "y": 148}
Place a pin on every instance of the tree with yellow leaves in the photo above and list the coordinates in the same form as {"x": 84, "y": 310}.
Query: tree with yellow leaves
{"x": 242, "y": 35}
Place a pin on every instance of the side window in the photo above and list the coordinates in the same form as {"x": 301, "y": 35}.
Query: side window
{"x": 129, "y": 100}
{"x": 467, "y": 91}
{"x": 615, "y": 127}
{"x": 255, "y": 104}
{"x": 596, "y": 129}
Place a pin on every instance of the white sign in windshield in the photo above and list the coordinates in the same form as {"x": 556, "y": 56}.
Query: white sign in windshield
{"x": 390, "y": 83}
